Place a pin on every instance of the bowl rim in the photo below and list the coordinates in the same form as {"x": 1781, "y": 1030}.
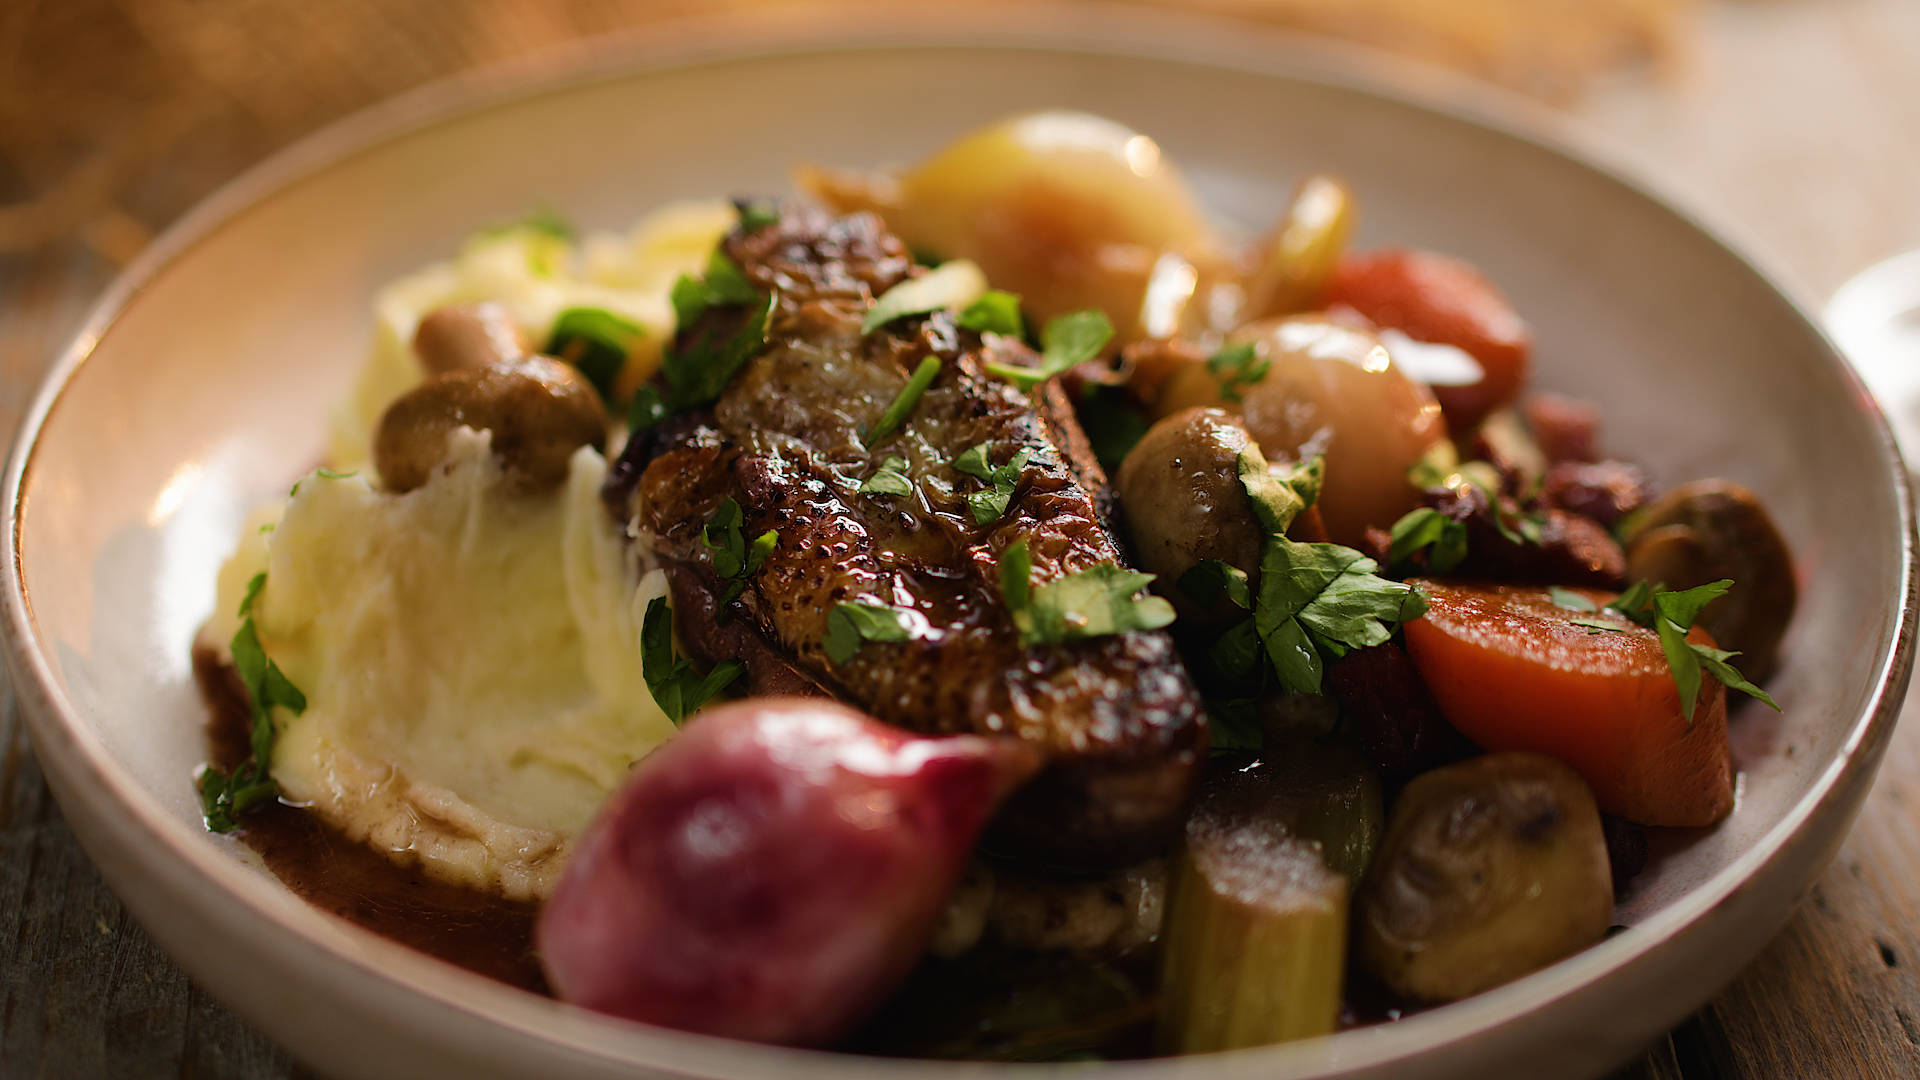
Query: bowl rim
{"x": 63, "y": 735}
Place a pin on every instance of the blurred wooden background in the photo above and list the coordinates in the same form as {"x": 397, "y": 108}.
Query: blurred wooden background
{"x": 1796, "y": 122}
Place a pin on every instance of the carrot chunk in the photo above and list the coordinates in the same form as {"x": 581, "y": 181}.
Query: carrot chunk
{"x": 1513, "y": 670}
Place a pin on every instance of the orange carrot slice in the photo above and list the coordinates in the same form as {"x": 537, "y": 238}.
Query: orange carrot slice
{"x": 1512, "y": 670}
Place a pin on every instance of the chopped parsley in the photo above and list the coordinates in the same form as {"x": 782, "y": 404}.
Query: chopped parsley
{"x": 1209, "y": 578}
{"x": 756, "y": 213}
{"x": 1096, "y": 602}
{"x": 1671, "y": 615}
{"x": 988, "y": 506}
{"x": 1313, "y": 602}
{"x": 1319, "y": 601}
{"x": 1237, "y": 367}
{"x": 735, "y": 558}
{"x": 1571, "y": 600}
{"x": 676, "y": 687}
{"x": 1065, "y": 341}
{"x": 596, "y": 342}
{"x": 1426, "y": 529}
{"x": 226, "y": 796}
{"x": 889, "y": 479}
{"x": 851, "y": 625}
{"x": 696, "y": 374}
{"x": 995, "y": 312}
{"x": 903, "y": 402}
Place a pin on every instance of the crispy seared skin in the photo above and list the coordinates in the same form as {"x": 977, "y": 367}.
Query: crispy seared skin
{"x": 1119, "y": 716}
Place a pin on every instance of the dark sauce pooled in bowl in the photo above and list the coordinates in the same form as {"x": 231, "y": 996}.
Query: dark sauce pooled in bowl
{"x": 480, "y": 931}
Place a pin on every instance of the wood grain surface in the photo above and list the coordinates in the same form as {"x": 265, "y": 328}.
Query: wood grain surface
{"x": 1796, "y": 123}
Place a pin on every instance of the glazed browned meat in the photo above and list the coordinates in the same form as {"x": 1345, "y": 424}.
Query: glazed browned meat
{"x": 1118, "y": 716}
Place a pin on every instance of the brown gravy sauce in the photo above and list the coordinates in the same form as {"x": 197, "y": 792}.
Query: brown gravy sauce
{"x": 482, "y": 932}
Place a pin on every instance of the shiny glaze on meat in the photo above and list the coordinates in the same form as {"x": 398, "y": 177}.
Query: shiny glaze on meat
{"x": 1119, "y": 716}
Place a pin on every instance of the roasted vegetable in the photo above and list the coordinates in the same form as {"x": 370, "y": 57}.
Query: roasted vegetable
{"x": 1182, "y": 483}
{"x": 1255, "y": 943}
{"x": 1514, "y": 669}
{"x": 772, "y": 872}
{"x": 1443, "y": 301}
{"x": 1067, "y": 210}
{"x": 1325, "y": 388}
{"x": 1491, "y": 868}
{"x": 1713, "y": 529}
{"x": 539, "y": 412}
{"x": 1256, "y": 939}
{"x": 1298, "y": 258}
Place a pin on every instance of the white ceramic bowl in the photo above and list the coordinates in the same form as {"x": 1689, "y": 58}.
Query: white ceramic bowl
{"x": 200, "y": 383}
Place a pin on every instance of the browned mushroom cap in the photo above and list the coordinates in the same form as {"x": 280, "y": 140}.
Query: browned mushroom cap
{"x": 1712, "y": 529}
{"x": 1180, "y": 489}
{"x": 540, "y": 411}
{"x": 467, "y": 336}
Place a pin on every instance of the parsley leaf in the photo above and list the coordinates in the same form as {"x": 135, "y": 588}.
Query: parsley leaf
{"x": 995, "y": 312}
{"x": 697, "y": 373}
{"x": 903, "y": 402}
{"x": 851, "y": 625}
{"x": 724, "y": 283}
{"x": 756, "y": 213}
{"x": 1319, "y": 599}
{"x": 956, "y": 282}
{"x": 1233, "y": 725}
{"x": 889, "y": 479}
{"x": 223, "y": 796}
{"x": 675, "y": 686}
{"x": 1279, "y": 495}
{"x": 1671, "y": 615}
{"x": 1238, "y": 366}
{"x": 1571, "y": 600}
{"x": 1209, "y": 578}
{"x": 596, "y": 342}
{"x": 1096, "y": 602}
{"x": 735, "y": 559}
{"x": 1065, "y": 341}
{"x": 1002, "y": 481}
{"x": 1426, "y": 529}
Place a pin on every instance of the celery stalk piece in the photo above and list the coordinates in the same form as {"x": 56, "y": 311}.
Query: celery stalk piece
{"x": 1256, "y": 940}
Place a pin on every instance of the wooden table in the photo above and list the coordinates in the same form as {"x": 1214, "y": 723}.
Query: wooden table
{"x": 1796, "y": 122}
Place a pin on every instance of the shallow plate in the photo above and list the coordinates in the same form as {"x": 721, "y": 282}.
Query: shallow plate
{"x": 200, "y": 384}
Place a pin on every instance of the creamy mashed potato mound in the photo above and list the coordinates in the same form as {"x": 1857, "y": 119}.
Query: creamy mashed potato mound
{"x": 470, "y": 658}
{"x": 535, "y": 275}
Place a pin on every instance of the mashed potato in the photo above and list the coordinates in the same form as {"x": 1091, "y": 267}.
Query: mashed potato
{"x": 478, "y": 755}
{"x": 535, "y": 275}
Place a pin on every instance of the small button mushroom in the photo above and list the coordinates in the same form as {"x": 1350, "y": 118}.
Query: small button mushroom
{"x": 1328, "y": 388}
{"x": 467, "y": 336}
{"x": 1490, "y": 869}
{"x": 1184, "y": 502}
{"x": 539, "y": 411}
{"x": 1709, "y": 530}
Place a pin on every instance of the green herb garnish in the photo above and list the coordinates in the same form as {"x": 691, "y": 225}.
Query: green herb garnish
{"x": 596, "y": 342}
{"x": 1426, "y": 529}
{"x": 1323, "y": 600}
{"x": 1209, "y": 578}
{"x": 1114, "y": 424}
{"x": 1065, "y": 341}
{"x": 1571, "y": 600}
{"x": 1280, "y": 495}
{"x": 1671, "y": 615}
{"x": 903, "y": 402}
{"x": 889, "y": 479}
{"x": 851, "y": 625}
{"x": 1238, "y": 367}
{"x": 934, "y": 290}
{"x": 996, "y": 312}
{"x": 697, "y": 373}
{"x": 1002, "y": 481}
{"x": 676, "y": 687}
{"x": 226, "y": 796}
{"x": 1096, "y": 602}
{"x": 735, "y": 558}
{"x": 756, "y": 213}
